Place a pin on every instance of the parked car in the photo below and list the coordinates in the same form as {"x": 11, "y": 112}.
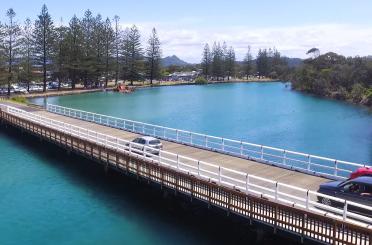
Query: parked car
{"x": 66, "y": 85}
{"x": 3, "y": 90}
{"x": 148, "y": 141}
{"x": 18, "y": 90}
{"x": 53, "y": 85}
{"x": 36, "y": 88}
{"x": 358, "y": 190}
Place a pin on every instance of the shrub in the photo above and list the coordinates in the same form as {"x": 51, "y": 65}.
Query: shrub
{"x": 19, "y": 99}
{"x": 201, "y": 80}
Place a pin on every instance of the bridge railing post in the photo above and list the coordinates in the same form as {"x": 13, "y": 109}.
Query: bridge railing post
{"x": 307, "y": 200}
{"x": 219, "y": 174}
{"x": 344, "y": 216}
{"x": 336, "y": 168}
{"x": 276, "y": 191}
{"x": 262, "y": 153}
{"x": 159, "y": 156}
{"x": 284, "y": 157}
{"x": 247, "y": 183}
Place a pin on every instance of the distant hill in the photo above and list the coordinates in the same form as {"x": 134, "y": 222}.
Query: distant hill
{"x": 294, "y": 62}
{"x": 173, "y": 60}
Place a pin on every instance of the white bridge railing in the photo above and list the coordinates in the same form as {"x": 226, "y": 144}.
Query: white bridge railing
{"x": 250, "y": 184}
{"x": 311, "y": 164}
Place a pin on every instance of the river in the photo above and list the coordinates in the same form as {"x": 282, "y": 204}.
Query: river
{"x": 48, "y": 196}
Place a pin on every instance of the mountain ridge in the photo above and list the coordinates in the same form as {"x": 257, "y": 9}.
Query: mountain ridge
{"x": 173, "y": 61}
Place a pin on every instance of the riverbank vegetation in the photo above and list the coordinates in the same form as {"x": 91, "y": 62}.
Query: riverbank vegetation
{"x": 336, "y": 76}
{"x": 220, "y": 63}
{"x": 90, "y": 50}
{"x": 328, "y": 75}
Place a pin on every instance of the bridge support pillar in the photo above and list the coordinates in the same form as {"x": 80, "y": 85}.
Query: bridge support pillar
{"x": 106, "y": 168}
{"x": 260, "y": 235}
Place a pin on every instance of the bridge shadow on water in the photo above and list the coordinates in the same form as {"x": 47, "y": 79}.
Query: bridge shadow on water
{"x": 126, "y": 196}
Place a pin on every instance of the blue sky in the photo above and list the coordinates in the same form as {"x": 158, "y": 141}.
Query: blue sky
{"x": 343, "y": 26}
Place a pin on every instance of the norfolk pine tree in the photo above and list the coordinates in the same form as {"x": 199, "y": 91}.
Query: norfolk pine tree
{"x": 44, "y": 41}
{"x": 248, "y": 62}
{"x": 26, "y": 50}
{"x": 117, "y": 42}
{"x": 153, "y": 56}
{"x": 11, "y": 44}
{"x": 206, "y": 62}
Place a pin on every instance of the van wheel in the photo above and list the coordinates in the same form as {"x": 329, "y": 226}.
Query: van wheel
{"x": 326, "y": 201}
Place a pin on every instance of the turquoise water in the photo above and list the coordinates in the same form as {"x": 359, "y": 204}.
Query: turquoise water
{"x": 47, "y": 199}
{"x": 69, "y": 200}
{"x": 263, "y": 113}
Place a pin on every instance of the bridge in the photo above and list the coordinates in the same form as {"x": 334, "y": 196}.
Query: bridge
{"x": 265, "y": 185}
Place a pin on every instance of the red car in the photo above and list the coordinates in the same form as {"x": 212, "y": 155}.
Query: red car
{"x": 365, "y": 171}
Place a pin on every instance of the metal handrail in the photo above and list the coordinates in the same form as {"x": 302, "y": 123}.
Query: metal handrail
{"x": 307, "y": 163}
{"x": 250, "y": 184}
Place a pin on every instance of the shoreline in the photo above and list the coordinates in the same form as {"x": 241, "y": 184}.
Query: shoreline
{"x": 346, "y": 101}
{"x": 136, "y": 86}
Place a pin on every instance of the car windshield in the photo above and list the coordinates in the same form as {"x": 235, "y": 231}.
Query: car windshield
{"x": 154, "y": 142}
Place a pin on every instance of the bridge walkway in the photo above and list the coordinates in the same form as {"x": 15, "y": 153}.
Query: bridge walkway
{"x": 274, "y": 173}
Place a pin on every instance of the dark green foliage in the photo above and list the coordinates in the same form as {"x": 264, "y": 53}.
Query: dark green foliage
{"x": 44, "y": 41}
{"x": 117, "y": 41}
{"x": 206, "y": 62}
{"x": 109, "y": 42}
{"x": 153, "y": 57}
{"x": 230, "y": 63}
{"x": 19, "y": 99}
{"x": 217, "y": 61}
{"x": 201, "y": 80}
{"x": 271, "y": 64}
{"x": 132, "y": 55}
{"x": 336, "y": 76}
{"x": 74, "y": 40}
{"x": 26, "y": 51}
{"x": 10, "y": 46}
{"x": 248, "y": 60}
{"x": 61, "y": 55}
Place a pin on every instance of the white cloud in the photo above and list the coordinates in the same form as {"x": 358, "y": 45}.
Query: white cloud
{"x": 186, "y": 41}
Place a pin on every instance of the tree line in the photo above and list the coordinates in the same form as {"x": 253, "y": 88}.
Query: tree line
{"x": 88, "y": 50}
{"x": 328, "y": 75}
{"x": 335, "y": 76}
{"x": 220, "y": 63}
